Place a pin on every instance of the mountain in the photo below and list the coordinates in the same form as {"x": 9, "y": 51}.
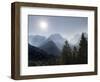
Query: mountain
{"x": 76, "y": 39}
{"x": 51, "y": 48}
{"x": 58, "y": 40}
{"x": 36, "y": 53}
{"x": 38, "y": 57}
{"x": 36, "y": 40}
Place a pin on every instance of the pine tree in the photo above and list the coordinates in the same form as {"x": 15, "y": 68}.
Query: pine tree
{"x": 75, "y": 55}
{"x": 66, "y": 54}
{"x": 82, "y": 58}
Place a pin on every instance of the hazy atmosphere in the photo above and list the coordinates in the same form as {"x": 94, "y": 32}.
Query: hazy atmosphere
{"x": 67, "y": 27}
{"x": 57, "y": 40}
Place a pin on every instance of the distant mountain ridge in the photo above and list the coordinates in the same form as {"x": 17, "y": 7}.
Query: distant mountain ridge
{"x": 37, "y": 40}
{"x": 54, "y": 43}
{"x": 48, "y": 51}
{"x": 58, "y": 40}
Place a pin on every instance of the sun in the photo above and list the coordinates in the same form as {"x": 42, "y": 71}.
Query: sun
{"x": 43, "y": 25}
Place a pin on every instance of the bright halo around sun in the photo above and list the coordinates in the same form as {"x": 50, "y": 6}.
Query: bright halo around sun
{"x": 43, "y": 25}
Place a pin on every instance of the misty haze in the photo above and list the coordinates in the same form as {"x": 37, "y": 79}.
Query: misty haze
{"x": 57, "y": 40}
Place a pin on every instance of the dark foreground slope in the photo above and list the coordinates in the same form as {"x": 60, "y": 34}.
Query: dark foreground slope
{"x": 38, "y": 57}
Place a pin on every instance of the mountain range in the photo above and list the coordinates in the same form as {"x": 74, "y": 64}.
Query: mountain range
{"x": 47, "y": 51}
{"x": 54, "y": 43}
{"x": 38, "y": 41}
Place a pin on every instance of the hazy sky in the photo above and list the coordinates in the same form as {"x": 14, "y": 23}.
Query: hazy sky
{"x": 65, "y": 26}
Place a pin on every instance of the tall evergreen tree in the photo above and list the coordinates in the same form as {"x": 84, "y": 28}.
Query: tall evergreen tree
{"x": 75, "y": 55}
{"x": 66, "y": 54}
{"x": 83, "y": 46}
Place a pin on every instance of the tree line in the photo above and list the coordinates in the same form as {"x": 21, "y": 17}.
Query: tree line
{"x": 77, "y": 54}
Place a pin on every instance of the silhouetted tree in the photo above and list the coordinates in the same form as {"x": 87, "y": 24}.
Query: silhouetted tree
{"x": 66, "y": 54}
{"x": 82, "y": 58}
{"x": 75, "y": 55}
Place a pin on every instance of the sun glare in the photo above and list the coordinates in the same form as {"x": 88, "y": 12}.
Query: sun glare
{"x": 43, "y": 25}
